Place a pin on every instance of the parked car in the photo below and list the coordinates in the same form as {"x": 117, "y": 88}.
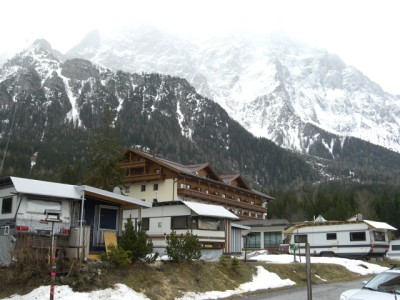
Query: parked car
{"x": 385, "y": 285}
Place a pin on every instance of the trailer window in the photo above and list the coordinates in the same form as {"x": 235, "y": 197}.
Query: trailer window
{"x": 357, "y": 236}
{"x": 208, "y": 223}
{"x": 179, "y": 222}
{"x": 395, "y": 247}
{"x": 331, "y": 236}
{"x": 300, "y": 238}
{"x": 145, "y": 224}
{"x": 379, "y": 236}
{"x": 6, "y": 206}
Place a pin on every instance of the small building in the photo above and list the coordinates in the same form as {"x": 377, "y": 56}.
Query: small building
{"x": 266, "y": 234}
{"x": 25, "y": 202}
{"x": 210, "y": 223}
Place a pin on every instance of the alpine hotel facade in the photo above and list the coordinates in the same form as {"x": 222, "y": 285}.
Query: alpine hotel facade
{"x": 155, "y": 180}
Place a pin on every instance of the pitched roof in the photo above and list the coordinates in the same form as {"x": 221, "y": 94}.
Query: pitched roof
{"x": 229, "y": 178}
{"x": 192, "y": 169}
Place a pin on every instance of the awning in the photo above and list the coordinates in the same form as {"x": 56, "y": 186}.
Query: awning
{"x": 68, "y": 191}
{"x": 112, "y": 197}
{"x": 44, "y": 188}
{"x": 380, "y": 225}
{"x": 210, "y": 210}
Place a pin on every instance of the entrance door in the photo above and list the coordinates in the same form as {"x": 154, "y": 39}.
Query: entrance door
{"x": 107, "y": 221}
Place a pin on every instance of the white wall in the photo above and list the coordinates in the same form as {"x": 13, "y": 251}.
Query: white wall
{"x": 160, "y": 221}
{"x": 166, "y": 191}
{"x": 34, "y": 220}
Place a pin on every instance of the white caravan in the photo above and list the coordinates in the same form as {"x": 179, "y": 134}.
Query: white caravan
{"x": 362, "y": 239}
{"x": 394, "y": 250}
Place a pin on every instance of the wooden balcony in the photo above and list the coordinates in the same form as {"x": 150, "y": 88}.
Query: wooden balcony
{"x": 220, "y": 200}
{"x": 144, "y": 177}
{"x": 135, "y": 164}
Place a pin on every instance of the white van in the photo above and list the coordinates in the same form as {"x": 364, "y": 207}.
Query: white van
{"x": 394, "y": 250}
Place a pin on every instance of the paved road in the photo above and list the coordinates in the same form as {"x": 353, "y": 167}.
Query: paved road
{"x": 329, "y": 291}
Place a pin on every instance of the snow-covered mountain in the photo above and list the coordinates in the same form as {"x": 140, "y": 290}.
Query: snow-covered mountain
{"x": 274, "y": 86}
{"x": 50, "y": 106}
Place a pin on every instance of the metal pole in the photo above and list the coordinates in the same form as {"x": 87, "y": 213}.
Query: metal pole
{"x": 308, "y": 265}
{"x": 81, "y": 227}
{"x": 53, "y": 263}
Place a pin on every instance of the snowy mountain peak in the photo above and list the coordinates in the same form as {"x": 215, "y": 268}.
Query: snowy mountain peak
{"x": 273, "y": 85}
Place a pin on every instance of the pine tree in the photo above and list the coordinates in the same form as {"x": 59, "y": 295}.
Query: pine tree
{"x": 183, "y": 247}
{"x": 137, "y": 243}
{"x": 105, "y": 155}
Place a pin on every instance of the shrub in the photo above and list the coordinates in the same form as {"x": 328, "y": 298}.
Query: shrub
{"x": 137, "y": 243}
{"x": 183, "y": 248}
{"x": 116, "y": 256}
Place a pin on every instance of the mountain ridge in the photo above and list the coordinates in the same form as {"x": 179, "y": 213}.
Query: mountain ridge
{"x": 245, "y": 73}
{"x": 57, "y": 104}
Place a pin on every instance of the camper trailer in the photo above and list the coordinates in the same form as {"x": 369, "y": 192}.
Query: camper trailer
{"x": 210, "y": 223}
{"x": 394, "y": 250}
{"x": 32, "y": 210}
{"x": 361, "y": 239}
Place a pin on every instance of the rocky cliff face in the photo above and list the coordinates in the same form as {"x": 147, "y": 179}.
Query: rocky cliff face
{"x": 274, "y": 86}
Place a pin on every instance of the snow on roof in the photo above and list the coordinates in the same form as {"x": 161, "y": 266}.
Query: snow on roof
{"x": 210, "y": 210}
{"x": 380, "y": 225}
{"x": 45, "y": 188}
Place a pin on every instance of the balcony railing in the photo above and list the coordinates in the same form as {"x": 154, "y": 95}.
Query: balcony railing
{"x": 220, "y": 200}
{"x": 144, "y": 177}
{"x": 134, "y": 164}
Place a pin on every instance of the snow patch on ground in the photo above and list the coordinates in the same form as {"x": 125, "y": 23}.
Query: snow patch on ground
{"x": 261, "y": 281}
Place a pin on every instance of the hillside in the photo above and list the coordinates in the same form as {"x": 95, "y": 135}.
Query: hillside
{"x": 173, "y": 280}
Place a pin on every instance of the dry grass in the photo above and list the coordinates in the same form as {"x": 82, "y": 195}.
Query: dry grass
{"x": 168, "y": 280}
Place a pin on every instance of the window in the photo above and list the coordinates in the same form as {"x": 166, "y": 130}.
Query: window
{"x": 145, "y": 223}
{"x": 395, "y": 247}
{"x": 143, "y": 188}
{"x": 127, "y": 189}
{"x": 300, "y": 238}
{"x": 39, "y": 206}
{"x": 155, "y": 187}
{"x": 179, "y": 222}
{"x": 379, "y": 236}
{"x": 6, "y": 207}
{"x": 254, "y": 241}
{"x": 331, "y": 236}
{"x": 208, "y": 224}
{"x": 272, "y": 238}
{"x": 357, "y": 236}
{"x": 157, "y": 171}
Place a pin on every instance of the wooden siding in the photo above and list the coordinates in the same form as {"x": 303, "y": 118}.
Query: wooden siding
{"x": 199, "y": 186}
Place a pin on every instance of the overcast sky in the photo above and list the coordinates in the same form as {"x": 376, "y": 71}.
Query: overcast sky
{"x": 364, "y": 33}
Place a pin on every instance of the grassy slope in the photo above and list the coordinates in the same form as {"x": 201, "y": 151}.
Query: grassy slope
{"x": 171, "y": 280}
